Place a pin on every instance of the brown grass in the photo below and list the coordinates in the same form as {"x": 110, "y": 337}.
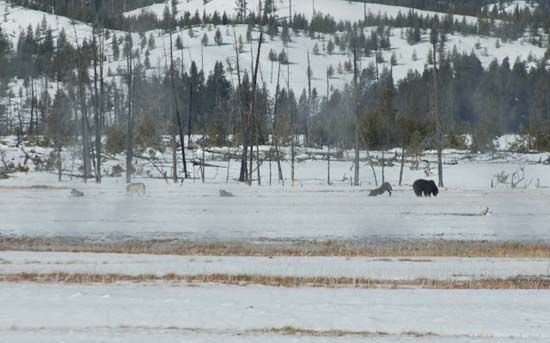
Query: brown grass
{"x": 283, "y": 281}
{"x": 38, "y": 187}
{"x": 295, "y": 331}
{"x": 282, "y": 331}
{"x": 404, "y": 249}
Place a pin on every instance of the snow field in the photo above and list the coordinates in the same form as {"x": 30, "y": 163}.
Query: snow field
{"x": 131, "y": 311}
{"x": 394, "y": 268}
{"x": 310, "y": 210}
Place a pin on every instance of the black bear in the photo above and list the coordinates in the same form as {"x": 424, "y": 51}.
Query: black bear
{"x": 425, "y": 187}
{"x": 386, "y": 187}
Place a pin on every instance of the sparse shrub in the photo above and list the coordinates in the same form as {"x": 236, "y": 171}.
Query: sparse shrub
{"x": 116, "y": 170}
{"x": 146, "y": 135}
{"x": 116, "y": 141}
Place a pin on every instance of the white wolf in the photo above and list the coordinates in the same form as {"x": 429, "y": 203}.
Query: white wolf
{"x": 136, "y": 188}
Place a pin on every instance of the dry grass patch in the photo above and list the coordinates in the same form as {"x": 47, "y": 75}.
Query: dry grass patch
{"x": 295, "y": 331}
{"x": 518, "y": 282}
{"x": 36, "y": 187}
{"x": 404, "y": 249}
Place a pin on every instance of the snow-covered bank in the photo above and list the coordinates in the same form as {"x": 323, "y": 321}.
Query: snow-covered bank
{"x": 131, "y": 309}
{"x": 360, "y": 267}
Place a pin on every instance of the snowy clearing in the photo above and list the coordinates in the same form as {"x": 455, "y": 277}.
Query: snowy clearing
{"x": 362, "y": 267}
{"x": 311, "y": 212}
{"x": 137, "y": 312}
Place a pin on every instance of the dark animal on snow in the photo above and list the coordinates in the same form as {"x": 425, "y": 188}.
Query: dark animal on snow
{"x": 386, "y": 187}
{"x": 225, "y": 194}
{"x": 76, "y": 193}
{"x": 425, "y": 187}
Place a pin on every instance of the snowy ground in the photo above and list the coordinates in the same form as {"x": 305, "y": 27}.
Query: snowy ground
{"x": 164, "y": 311}
{"x": 142, "y": 313}
{"x": 308, "y": 211}
{"x": 440, "y": 268}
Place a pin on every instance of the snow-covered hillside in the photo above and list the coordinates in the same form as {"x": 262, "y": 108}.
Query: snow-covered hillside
{"x": 510, "y": 6}
{"x": 486, "y": 48}
{"x": 408, "y": 57}
{"x": 339, "y": 9}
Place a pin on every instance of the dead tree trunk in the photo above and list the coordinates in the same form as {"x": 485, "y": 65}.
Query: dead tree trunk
{"x": 274, "y": 137}
{"x": 402, "y": 166}
{"x": 356, "y": 110}
{"x": 437, "y": 115}
{"x": 253, "y": 105}
{"x": 383, "y": 164}
{"x": 97, "y": 123}
{"x": 308, "y": 112}
{"x": 31, "y": 124}
{"x": 328, "y": 165}
{"x": 243, "y": 176}
{"x": 84, "y": 112}
{"x": 178, "y": 116}
{"x": 130, "y": 126}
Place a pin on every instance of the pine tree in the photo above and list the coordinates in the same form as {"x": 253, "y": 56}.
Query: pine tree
{"x": 393, "y": 59}
{"x": 272, "y": 55}
{"x": 174, "y": 4}
{"x": 330, "y": 46}
{"x": 143, "y": 42}
{"x": 128, "y": 45}
{"x": 179, "y": 43}
{"x": 330, "y": 71}
{"x": 241, "y": 9}
{"x": 204, "y": 40}
{"x": 285, "y": 35}
{"x": 115, "y": 47}
{"x": 316, "y": 49}
{"x": 283, "y": 57}
{"x": 269, "y": 7}
{"x": 147, "y": 62}
{"x": 218, "y": 38}
{"x": 151, "y": 44}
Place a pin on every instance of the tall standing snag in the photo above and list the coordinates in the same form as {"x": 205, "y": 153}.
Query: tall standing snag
{"x": 83, "y": 110}
{"x": 253, "y": 104}
{"x": 178, "y": 116}
{"x": 356, "y": 110}
{"x": 130, "y": 124}
{"x": 437, "y": 114}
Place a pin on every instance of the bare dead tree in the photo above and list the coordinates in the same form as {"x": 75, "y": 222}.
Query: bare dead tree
{"x": 275, "y": 138}
{"x": 253, "y": 105}
{"x": 243, "y": 176}
{"x": 97, "y": 114}
{"x": 83, "y": 110}
{"x": 402, "y": 165}
{"x": 130, "y": 123}
{"x": 437, "y": 112}
{"x": 178, "y": 116}
{"x": 308, "y": 112}
{"x": 356, "y": 112}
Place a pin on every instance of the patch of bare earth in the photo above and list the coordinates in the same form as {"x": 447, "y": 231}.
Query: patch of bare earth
{"x": 519, "y": 282}
{"x": 404, "y": 249}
